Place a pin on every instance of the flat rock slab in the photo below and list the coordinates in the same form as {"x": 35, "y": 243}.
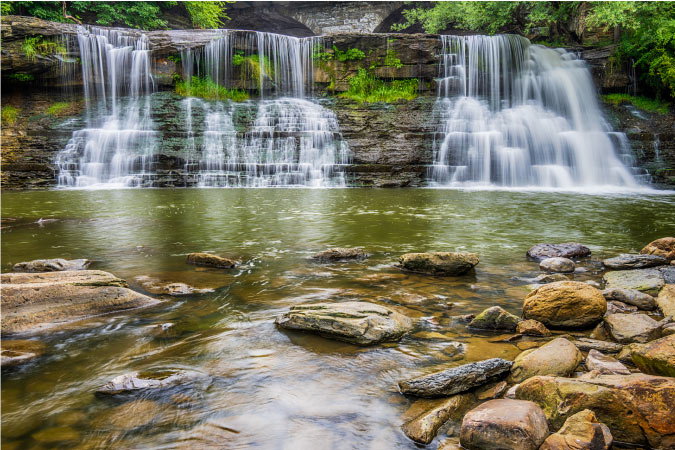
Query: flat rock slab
{"x": 586, "y": 344}
{"x": 339, "y": 254}
{"x": 360, "y": 323}
{"x": 631, "y": 297}
{"x": 457, "y": 379}
{"x": 630, "y": 261}
{"x": 439, "y": 263}
{"x": 627, "y": 328}
{"x": 51, "y": 265}
{"x": 566, "y": 250}
{"x": 649, "y": 281}
{"x": 605, "y": 364}
{"x": 36, "y": 301}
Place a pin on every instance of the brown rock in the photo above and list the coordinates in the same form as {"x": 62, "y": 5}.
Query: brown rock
{"x": 558, "y": 357}
{"x": 209, "y": 260}
{"x": 504, "y": 424}
{"x": 565, "y": 304}
{"x": 605, "y": 364}
{"x": 439, "y": 263}
{"x": 492, "y": 390}
{"x": 662, "y": 247}
{"x": 666, "y": 300}
{"x": 581, "y": 431}
{"x": 627, "y": 328}
{"x": 339, "y": 253}
{"x": 586, "y": 344}
{"x": 425, "y": 417}
{"x": 18, "y": 351}
{"x": 656, "y": 357}
{"x": 532, "y": 327}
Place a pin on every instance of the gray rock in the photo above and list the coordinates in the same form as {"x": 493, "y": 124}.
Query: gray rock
{"x": 627, "y": 328}
{"x": 668, "y": 273}
{"x": 360, "y": 323}
{"x": 495, "y": 318}
{"x": 51, "y": 265}
{"x": 339, "y": 253}
{"x": 559, "y": 357}
{"x": 439, "y": 263}
{"x": 649, "y": 281}
{"x": 614, "y": 307}
{"x": 504, "y": 424}
{"x": 566, "y": 250}
{"x": 133, "y": 382}
{"x": 631, "y": 261}
{"x": 545, "y": 278}
{"x": 586, "y": 344}
{"x": 557, "y": 264}
{"x": 455, "y": 380}
{"x": 632, "y": 297}
{"x": 605, "y": 364}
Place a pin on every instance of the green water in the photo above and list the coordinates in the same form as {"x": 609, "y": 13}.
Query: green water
{"x": 268, "y": 388}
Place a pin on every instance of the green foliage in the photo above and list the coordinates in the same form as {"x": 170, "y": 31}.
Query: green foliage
{"x": 36, "y": 45}
{"x": 364, "y": 87}
{"x": 43, "y": 10}
{"x": 643, "y": 103}
{"x": 9, "y": 115}
{"x": 21, "y": 77}
{"x": 174, "y": 58}
{"x": 488, "y": 17}
{"x": 238, "y": 58}
{"x": 59, "y": 108}
{"x": 352, "y": 54}
{"x": 143, "y": 15}
{"x": 6, "y": 8}
{"x": 252, "y": 66}
{"x": 318, "y": 55}
{"x": 207, "y": 14}
{"x": 208, "y": 89}
{"x": 391, "y": 60}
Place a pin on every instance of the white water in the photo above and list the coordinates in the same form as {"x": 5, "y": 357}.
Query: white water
{"x": 519, "y": 115}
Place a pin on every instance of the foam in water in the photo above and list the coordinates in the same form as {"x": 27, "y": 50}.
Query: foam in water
{"x": 519, "y": 115}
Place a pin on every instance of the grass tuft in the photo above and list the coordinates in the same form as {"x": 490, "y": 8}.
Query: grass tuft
{"x": 209, "y": 90}
{"x": 9, "y": 115}
{"x": 646, "y": 104}
{"x": 364, "y": 87}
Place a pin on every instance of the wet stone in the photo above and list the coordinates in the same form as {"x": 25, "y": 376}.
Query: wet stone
{"x": 605, "y": 364}
{"x": 580, "y": 431}
{"x": 209, "y": 260}
{"x": 532, "y": 327}
{"x": 631, "y": 297}
{"x": 566, "y": 250}
{"x": 135, "y": 382}
{"x": 664, "y": 247}
{"x": 51, "y": 265}
{"x": 614, "y": 307}
{"x": 627, "y": 328}
{"x": 340, "y": 254}
{"x": 18, "y": 351}
{"x": 557, "y": 265}
{"x": 628, "y": 261}
{"x": 545, "y": 278}
{"x": 495, "y": 318}
{"x": 439, "y": 263}
{"x": 648, "y": 281}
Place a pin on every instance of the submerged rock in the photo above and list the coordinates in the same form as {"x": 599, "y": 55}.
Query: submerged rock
{"x": 631, "y": 297}
{"x": 559, "y": 357}
{"x": 495, "y": 318}
{"x": 649, "y": 281}
{"x": 664, "y": 247}
{"x": 339, "y": 253}
{"x": 531, "y": 327}
{"x": 439, "y": 263}
{"x": 627, "y": 328}
{"x": 425, "y": 417}
{"x": 666, "y": 300}
{"x": 209, "y": 260}
{"x": 582, "y": 431}
{"x": 134, "y": 414}
{"x": 656, "y": 357}
{"x": 135, "y": 382}
{"x": 563, "y": 265}
{"x": 627, "y": 262}
{"x": 586, "y": 344}
{"x": 566, "y": 250}
{"x": 34, "y": 301}
{"x": 360, "y": 323}
{"x": 492, "y": 390}
{"x": 158, "y": 287}
{"x": 637, "y": 408}
{"x": 565, "y": 304}
{"x": 51, "y": 265}
{"x": 15, "y": 352}
{"x": 550, "y": 278}
{"x": 605, "y": 364}
{"x": 455, "y": 380}
{"x": 504, "y": 424}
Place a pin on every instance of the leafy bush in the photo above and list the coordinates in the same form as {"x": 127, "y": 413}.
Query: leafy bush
{"x": 364, "y": 87}
{"x": 252, "y": 66}
{"x": 643, "y": 103}
{"x": 36, "y": 45}
{"x": 206, "y": 14}
{"x": 208, "y": 89}
{"x": 352, "y": 54}
{"x": 21, "y": 77}
{"x": 9, "y": 115}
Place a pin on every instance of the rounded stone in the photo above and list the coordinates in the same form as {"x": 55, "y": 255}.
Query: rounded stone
{"x": 558, "y": 265}
{"x": 662, "y": 247}
{"x": 559, "y": 357}
{"x": 439, "y": 263}
{"x": 565, "y": 304}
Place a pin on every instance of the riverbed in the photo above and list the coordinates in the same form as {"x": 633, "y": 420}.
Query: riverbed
{"x": 269, "y": 388}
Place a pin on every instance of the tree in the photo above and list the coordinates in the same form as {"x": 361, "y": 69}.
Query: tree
{"x": 207, "y": 14}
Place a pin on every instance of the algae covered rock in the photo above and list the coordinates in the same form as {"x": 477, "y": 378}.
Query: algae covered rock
{"x": 656, "y": 357}
{"x": 565, "y": 304}
{"x": 360, "y": 323}
{"x": 579, "y": 432}
{"x": 649, "y": 281}
{"x": 661, "y": 247}
{"x": 439, "y": 263}
{"x": 495, "y": 318}
{"x": 559, "y": 357}
{"x": 666, "y": 300}
{"x": 339, "y": 254}
{"x": 209, "y": 260}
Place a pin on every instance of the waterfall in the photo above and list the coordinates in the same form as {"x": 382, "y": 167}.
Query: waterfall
{"x": 514, "y": 114}
{"x": 117, "y": 145}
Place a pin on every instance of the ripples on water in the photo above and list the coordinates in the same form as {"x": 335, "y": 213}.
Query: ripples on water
{"x": 269, "y": 388}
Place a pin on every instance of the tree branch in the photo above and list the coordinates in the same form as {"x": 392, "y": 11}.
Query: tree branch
{"x": 68, "y": 16}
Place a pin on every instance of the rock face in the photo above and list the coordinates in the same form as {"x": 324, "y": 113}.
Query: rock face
{"x": 666, "y": 300}
{"x": 358, "y": 323}
{"x": 455, "y": 380}
{"x": 532, "y": 327}
{"x": 338, "y": 253}
{"x": 133, "y": 382}
{"x": 495, "y": 318}
{"x": 581, "y": 431}
{"x": 661, "y": 247}
{"x": 586, "y": 344}
{"x": 567, "y": 250}
{"x": 209, "y": 260}
{"x": 632, "y": 297}
{"x": 649, "y": 281}
{"x": 557, "y": 264}
{"x": 605, "y": 364}
{"x": 439, "y": 263}
{"x": 51, "y": 265}
{"x": 559, "y": 357}
{"x": 627, "y": 261}
{"x": 425, "y": 417}
{"x": 34, "y": 301}
{"x": 565, "y": 304}
{"x": 637, "y": 408}
{"x": 656, "y": 357}
{"x": 502, "y": 424}
{"x": 627, "y": 328}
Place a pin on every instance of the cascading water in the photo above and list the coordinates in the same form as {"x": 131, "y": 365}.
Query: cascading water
{"x": 117, "y": 146}
{"x": 520, "y": 115}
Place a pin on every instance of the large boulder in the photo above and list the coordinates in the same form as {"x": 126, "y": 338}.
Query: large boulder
{"x": 457, "y": 379}
{"x": 495, "y": 318}
{"x": 51, "y": 265}
{"x": 649, "y": 281}
{"x": 631, "y": 297}
{"x": 565, "y": 304}
{"x": 425, "y": 417}
{"x": 558, "y": 357}
{"x": 666, "y": 300}
{"x": 209, "y": 260}
{"x": 504, "y": 424}
{"x": 662, "y": 247}
{"x": 360, "y": 323}
{"x": 656, "y": 357}
{"x": 35, "y": 301}
{"x": 558, "y": 265}
{"x": 637, "y": 408}
{"x": 566, "y": 250}
{"x": 339, "y": 254}
{"x": 629, "y": 261}
{"x": 582, "y": 431}
{"x": 439, "y": 263}
{"x": 627, "y": 328}
{"x": 596, "y": 361}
